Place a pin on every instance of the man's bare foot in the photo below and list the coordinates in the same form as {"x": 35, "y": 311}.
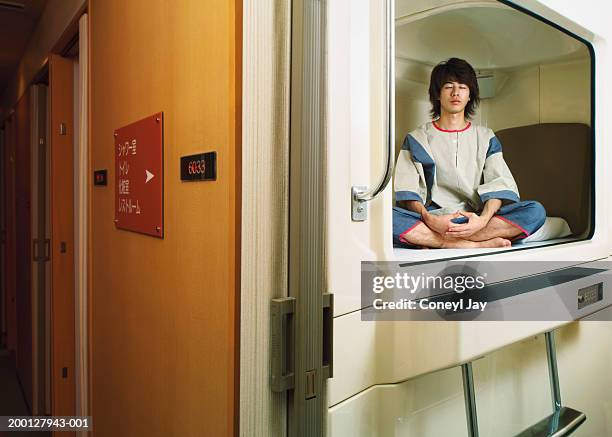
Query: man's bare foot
{"x": 496, "y": 242}
{"x": 459, "y": 243}
{"x": 465, "y": 244}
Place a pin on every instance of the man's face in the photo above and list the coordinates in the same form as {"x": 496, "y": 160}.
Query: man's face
{"x": 454, "y": 96}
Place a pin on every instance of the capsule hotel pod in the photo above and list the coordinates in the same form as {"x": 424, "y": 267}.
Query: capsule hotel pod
{"x": 305, "y": 218}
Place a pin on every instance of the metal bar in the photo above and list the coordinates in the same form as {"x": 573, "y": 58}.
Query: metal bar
{"x": 553, "y": 372}
{"x": 564, "y": 420}
{"x": 561, "y": 423}
{"x": 358, "y": 194}
{"x": 306, "y": 405}
{"x": 470, "y": 400}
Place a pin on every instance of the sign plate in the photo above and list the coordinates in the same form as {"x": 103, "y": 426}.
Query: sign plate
{"x": 200, "y": 167}
{"x": 139, "y": 176}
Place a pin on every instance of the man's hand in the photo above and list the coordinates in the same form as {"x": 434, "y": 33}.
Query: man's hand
{"x": 475, "y": 223}
{"x": 439, "y": 223}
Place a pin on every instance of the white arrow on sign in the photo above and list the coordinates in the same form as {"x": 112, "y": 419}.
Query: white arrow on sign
{"x": 149, "y": 176}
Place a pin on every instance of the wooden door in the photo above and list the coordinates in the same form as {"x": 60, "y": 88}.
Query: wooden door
{"x": 23, "y": 244}
{"x": 9, "y": 237}
{"x": 61, "y": 141}
{"x": 40, "y": 247}
{"x": 2, "y": 239}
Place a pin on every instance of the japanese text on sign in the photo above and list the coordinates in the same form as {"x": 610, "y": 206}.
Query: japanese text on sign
{"x": 139, "y": 176}
{"x": 126, "y": 205}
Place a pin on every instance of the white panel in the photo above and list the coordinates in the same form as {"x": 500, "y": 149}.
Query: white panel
{"x": 389, "y": 352}
{"x": 584, "y": 354}
{"x": 512, "y": 392}
{"x": 356, "y": 142}
{"x": 360, "y": 416}
{"x": 586, "y": 14}
{"x": 265, "y": 159}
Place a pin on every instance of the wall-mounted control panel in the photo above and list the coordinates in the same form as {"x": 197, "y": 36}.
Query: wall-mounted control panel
{"x": 590, "y": 295}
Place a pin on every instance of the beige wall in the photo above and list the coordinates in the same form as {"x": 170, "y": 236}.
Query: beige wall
{"x": 411, "y": 97}
{"x": 547, "y": 93}
{"x": 563, "y": 88}
{"x": 56, "y": 17}
{"x": 516, "y": 104}
{"x": 163, "y": 311}
{"x": 512, "y": 391}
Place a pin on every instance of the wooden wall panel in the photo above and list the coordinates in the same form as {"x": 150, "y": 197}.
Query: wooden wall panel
{"x": 163, "y": 312}
{"x": 2, "y": 237}
{"x": 23, "y": 244}
{"x": 61, "y": 179}
{"x": 10, "y": 254}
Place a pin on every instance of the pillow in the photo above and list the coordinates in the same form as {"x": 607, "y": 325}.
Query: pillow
{"x": 553, "y": 227}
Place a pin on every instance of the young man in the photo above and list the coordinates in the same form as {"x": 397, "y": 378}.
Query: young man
{"x": 452, "y": 186}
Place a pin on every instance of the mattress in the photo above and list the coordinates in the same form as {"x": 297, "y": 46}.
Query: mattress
{"x": 553, "y": 227}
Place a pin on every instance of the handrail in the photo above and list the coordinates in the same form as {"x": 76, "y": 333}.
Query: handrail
{"x": 553, "y": 372}
{"x": 361, "y": 195}
{"x": 564, "y": 420}
{"x": 469, "y": 394}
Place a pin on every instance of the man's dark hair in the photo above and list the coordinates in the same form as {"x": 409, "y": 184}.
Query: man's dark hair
{"x": 453, "y": 70}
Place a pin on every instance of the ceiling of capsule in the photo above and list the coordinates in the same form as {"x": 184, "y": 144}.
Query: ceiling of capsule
{"x": 487, "y": 34}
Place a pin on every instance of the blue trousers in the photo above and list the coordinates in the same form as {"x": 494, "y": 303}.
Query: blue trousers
{"x": 528, "y": 216}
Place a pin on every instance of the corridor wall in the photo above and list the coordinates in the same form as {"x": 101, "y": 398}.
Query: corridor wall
{"x": 164, "y": 311}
